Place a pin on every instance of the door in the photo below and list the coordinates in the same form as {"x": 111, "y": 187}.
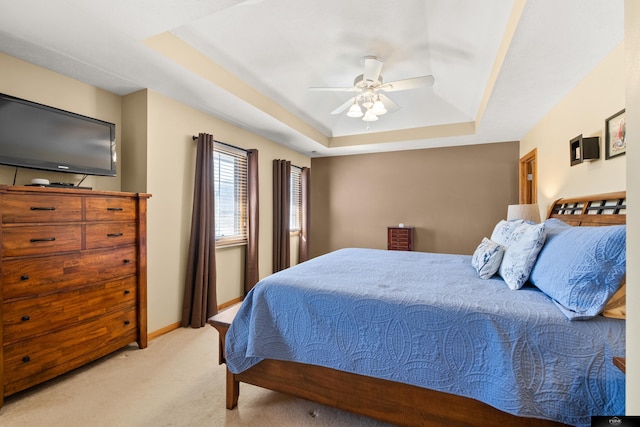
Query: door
{"x": 528, "y": 178}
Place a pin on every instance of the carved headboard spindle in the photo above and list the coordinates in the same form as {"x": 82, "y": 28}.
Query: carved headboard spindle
{"x": 601, "y": 209}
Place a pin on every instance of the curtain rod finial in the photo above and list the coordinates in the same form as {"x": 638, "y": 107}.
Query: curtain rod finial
{"x": 194, "y": 137}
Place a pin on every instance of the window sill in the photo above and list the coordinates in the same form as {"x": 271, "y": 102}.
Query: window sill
{"x": 230, "y": 245}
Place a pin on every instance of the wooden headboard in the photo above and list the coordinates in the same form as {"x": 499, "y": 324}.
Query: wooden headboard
{"x": 600, "y": 209}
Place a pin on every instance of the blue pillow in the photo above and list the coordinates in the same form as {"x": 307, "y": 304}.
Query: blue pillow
{"x": 580, "y": 268}
{"x": 553, "y": 227}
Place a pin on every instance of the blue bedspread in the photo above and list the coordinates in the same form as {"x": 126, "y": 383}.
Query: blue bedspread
{"x": 427, "y": 319}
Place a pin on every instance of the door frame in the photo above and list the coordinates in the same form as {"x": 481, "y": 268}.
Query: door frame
{"x": 528, "y": 178}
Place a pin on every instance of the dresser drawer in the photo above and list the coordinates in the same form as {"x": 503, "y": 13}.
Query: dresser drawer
{"x": 42, "y": 239}
{"x": 34, "y": 208}
{"x": 400, "y": 238}
{"x": 109, "y": 234}
{"x": 35, "y": 360}
{"x": 39, "y": 275}
{"x": 25, "y": 318}
{"x": 110, "y": 209}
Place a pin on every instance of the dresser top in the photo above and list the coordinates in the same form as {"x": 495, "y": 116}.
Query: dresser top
{"x": 72, "y": 191}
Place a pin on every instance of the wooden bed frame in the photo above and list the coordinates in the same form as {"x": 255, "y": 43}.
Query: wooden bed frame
{"x": 399, "y": 403}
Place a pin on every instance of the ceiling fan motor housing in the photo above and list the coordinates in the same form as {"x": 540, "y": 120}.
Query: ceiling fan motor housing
{"x": 360, "y": 83}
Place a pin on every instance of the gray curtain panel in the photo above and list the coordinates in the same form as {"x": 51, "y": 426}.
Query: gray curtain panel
{"x": 281, "y": 201}
{"x": 200, "y": 284}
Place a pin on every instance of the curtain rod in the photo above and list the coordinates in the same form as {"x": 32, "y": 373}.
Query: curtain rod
{"x": 237, "y": 148}
{"x": 195, "y": 138}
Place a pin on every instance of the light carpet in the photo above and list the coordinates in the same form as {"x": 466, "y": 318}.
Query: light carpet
{"x": 175, "y": 381}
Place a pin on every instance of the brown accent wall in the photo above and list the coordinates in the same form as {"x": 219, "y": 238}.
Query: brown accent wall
{"x": 452, "y": 196}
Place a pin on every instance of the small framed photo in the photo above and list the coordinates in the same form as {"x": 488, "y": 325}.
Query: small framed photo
{"x": 615, "y": 135}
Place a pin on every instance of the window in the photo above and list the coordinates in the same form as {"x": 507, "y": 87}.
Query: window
{"x": 295, "y": 209}
{"x": 230, "y": 193}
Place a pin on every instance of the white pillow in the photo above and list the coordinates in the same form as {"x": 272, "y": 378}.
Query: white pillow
{"x": 487, "y": 258}
{"x": 523, "y": 246}
{"x": 503, "y": 230}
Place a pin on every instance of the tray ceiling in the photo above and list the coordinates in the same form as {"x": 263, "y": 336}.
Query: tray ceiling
{"x": 499, "y": 65}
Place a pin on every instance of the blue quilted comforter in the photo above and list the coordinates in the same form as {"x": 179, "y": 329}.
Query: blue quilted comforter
{"x": 427, "y": 319}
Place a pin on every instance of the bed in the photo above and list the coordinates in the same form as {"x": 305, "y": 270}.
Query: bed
{"x": 432, "y": 343}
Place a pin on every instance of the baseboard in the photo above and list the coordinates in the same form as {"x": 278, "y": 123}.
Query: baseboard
{"x": 230, "y": 303}
{"x": 162, "y": 331}
{"x": 172, "y": 327}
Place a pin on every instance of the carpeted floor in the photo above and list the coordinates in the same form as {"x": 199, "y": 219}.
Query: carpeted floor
{"x": 175, "y": 381}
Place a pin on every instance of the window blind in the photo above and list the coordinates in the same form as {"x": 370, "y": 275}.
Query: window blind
{"x": 295, "y": 210}
{"x": 230, "y": 193}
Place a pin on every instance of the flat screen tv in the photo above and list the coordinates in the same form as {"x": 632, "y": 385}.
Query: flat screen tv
{"x": 37, "y": 136}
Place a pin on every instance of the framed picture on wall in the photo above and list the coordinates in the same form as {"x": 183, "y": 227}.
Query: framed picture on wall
{"x": 615, "y": 135}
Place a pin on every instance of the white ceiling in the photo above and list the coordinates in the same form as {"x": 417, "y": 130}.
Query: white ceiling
{"x": 499, "y": 65}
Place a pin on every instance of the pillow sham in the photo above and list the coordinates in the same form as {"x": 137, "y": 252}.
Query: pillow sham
{"x": 581, "y": 268}
{"x": 523, "y": 246}
{"x": 503, "y": 230}
{"x": 487, "y": 258}
{"x": 553, "y": 227}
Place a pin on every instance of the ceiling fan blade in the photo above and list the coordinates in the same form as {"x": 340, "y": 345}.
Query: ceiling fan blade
{"x": 413, "y": 83}
{"x": 334, "y": 89}
{"x": 388, "y": 103}
{"x": 343, "y": 107}
{"x": 372, "y": 68}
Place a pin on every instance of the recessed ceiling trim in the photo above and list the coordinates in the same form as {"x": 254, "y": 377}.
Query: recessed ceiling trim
{"x": 185, "y": 55}
{"x": 512, "y": 25}
{"x": 426, "y": 132}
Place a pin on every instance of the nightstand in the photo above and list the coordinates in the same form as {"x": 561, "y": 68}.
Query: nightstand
{"x": 400, "y": 238}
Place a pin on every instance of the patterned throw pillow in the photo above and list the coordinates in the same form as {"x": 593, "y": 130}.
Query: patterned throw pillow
{"x": 504, "y": 229}
{"x": 523, "y": 246}
{"x": 487, "y": 258}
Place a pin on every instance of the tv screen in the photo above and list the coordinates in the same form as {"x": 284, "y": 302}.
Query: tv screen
{"x": 37, "y": 136}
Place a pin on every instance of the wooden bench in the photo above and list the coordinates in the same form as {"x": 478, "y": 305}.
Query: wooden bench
{"x": 221, "y": 322}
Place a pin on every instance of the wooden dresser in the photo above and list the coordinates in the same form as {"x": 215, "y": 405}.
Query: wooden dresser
{"x": 73, "y": 280}
{"x": 400, "y": 238}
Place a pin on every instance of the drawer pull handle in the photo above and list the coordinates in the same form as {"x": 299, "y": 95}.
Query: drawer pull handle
{"x": 127, "y": 291}
{"x": 46, "y": 239}
{"x": 126, "y": 322}
{"x": 126, "y": 261}
{"x": 115, "y": 209}
{"x": 43, "y": 208}
{"x": 25, "y": 318}
{"x": 114, "y": 234}
{"x": 26, "y": 359}
{"x": 24, "y": 277}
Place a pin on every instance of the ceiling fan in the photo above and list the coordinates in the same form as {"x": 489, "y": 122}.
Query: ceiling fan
{"x": 368, "y": 87}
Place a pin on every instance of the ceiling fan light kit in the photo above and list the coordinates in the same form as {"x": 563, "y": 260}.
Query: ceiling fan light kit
{"x": 355, "y": 110}
{"x": 369, "y": 116}
{"x": 369, "y": 84}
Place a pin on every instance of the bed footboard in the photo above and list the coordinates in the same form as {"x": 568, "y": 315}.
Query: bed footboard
{"x": 384, "y": 400}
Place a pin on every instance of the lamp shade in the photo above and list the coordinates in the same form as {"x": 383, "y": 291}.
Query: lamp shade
{"x": 527, "y": 212}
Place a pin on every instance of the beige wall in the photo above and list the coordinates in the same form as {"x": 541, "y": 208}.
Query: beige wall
{"x": 134, "y": 136}
{"x": 156, "y": 155}
{"x": 24, "y": 80}
{"x": 355, "y": 198}
{"x": 632, "y": 78}
{"x": 170, "y": 159}
{"x": 602, "y": 93}
{"x": 583, "y": 111}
